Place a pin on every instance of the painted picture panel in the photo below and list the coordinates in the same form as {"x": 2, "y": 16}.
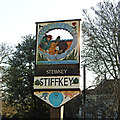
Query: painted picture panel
{"x": 58, "y": 42}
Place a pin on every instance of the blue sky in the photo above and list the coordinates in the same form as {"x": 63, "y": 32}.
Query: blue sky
{"x": 18, "y": 17}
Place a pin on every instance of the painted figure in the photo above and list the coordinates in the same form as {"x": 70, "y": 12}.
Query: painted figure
{"x": 61, "y": 45}
{"x": 52, "y": 48}
{"x": 44, "y": 96}
{"x": 45, "y": 42}
{"x": 69, "y": 94}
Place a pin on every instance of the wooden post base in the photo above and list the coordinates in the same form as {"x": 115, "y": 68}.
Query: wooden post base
{"x": 54, "y": 113}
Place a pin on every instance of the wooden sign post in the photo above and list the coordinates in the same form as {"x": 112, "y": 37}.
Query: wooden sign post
{"x": 57, "y": 71}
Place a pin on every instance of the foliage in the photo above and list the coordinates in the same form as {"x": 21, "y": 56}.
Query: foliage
{"x": 8, "y": 111}
{"x": 19, "y": 80}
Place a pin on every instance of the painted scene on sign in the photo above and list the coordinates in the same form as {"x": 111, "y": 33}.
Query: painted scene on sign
{"x": 56, "y": 46}
{"x": 57, "y": 41}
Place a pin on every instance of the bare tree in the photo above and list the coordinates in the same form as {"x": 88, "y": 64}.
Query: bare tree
{"x": 5, "y": 52}
{"x": 101, "y": 36}
{"x": 101, "y": 43}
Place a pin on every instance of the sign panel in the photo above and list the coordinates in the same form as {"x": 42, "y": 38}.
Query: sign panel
{"x": 56, "y": 98}
{"x": 58, "y": 44}
{"x": 56, "y": 82}
{"x": 57, "y": 70}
